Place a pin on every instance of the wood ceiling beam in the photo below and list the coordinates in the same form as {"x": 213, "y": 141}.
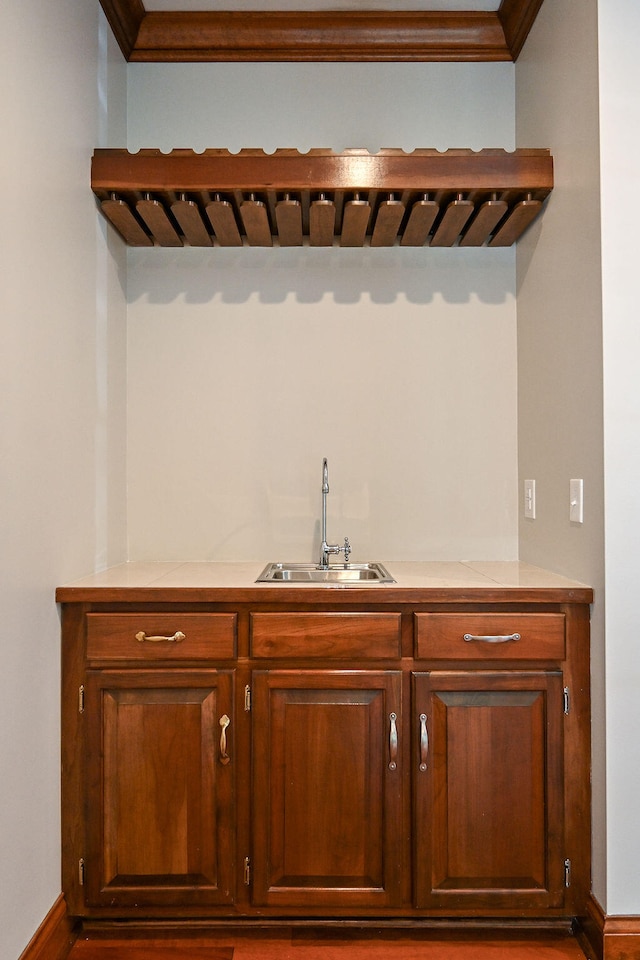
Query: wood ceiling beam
{"x": 336, "y": 36}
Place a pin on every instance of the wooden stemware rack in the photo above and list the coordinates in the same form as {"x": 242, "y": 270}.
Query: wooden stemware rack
{"x": 321, "y": 198}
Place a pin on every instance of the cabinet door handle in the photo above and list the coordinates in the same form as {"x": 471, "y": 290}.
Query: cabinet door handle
{"x": 424, "y": 742}
{"x": 512, "y": 636}
{"x": 393, "y": 742}
{"x": 176, "y": 638}
{"x": 224, "y": 723}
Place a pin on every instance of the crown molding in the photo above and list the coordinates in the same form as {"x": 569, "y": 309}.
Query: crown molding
{"x": 517, "y": 18}
{"x": 332, "y": 36}
{"x": 125, "y": 18}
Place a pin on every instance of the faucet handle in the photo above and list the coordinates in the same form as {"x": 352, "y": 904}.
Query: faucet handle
{"x": 347, "y": 549}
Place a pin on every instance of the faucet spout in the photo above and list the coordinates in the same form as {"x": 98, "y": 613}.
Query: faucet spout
{"x": 326, "y": 549}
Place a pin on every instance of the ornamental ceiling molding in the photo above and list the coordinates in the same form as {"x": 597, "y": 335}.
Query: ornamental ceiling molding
{"x": 320, "y": 35}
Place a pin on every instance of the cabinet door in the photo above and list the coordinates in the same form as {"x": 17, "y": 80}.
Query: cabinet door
{"x": 160, "y": 788}
{"x": 327, "y": 812}
{"x": 488, "y": 790}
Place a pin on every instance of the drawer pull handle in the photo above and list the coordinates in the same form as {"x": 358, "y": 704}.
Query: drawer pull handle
{"x": 424, "y": 742}
{"x": 512, "y": 636}
{"x": 176, "y": 638}
{"x": 224, "y": 723}
{"x": 393, "y": 742}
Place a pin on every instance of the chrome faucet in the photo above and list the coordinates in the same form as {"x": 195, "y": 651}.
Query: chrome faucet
{"x": 328, "y": 548}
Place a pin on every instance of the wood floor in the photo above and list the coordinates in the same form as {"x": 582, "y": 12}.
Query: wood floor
{"x": 306, "y": 947}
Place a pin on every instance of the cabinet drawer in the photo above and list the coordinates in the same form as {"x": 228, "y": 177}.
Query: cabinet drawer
{"x": 371, "y": 636}
{"x": 161, "y": 636}
{"x": 490, "y": 636}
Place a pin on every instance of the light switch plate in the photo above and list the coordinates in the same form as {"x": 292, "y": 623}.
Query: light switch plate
{"x": 576, "y": 501}
{"x": 530, "y": 499}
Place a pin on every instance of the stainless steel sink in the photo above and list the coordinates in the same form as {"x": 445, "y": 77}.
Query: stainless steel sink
{"x": 345, "y": 573}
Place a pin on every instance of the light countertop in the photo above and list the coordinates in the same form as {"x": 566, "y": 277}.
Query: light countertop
{"x": 417, "y": 580}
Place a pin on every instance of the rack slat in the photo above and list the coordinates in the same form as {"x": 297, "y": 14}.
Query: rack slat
{"x": 119, "y": 214}
{"x": 355, "y": 220}
{"x": 519, "y": 219}
{"x": 388, "y": 220}
{"x": 322, "y": 223}
{"x": 155, "y": 216}
{"x": 289, "y": 222}
{"x": 256, "y": 223}
{"x": 486, "y": 219}
{"x": 223, "y": 221}
{"x": 421, "y": 219}
{"x": 453, "y": 221}
{"x": 191, "y": 223}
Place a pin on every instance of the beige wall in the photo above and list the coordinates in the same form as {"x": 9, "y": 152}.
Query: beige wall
{"x": 618, "y": 29}
{"x": 560, "y": 426}
{"x": 247, "y": 367}
{"x": 61, "y": 415}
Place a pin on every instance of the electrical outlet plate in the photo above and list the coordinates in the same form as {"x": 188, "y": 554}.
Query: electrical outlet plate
{"x": 530, "y": 499}
{"x": 576, "y": 501}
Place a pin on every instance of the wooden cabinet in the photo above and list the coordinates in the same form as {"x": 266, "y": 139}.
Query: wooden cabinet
{"x": 328, "y": 827}
{"x": 396, "y": 758}
{"x": 159, "y": 782}
{"x": 489, "y": 790}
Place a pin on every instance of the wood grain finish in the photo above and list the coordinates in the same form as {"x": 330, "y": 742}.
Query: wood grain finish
{"x": 371, "y": 636}
{"x": 608, "y": 937}
{"x": 515, "y": 223}
{"x": 422, "y": 217}
{"x": 621, "y": 938}
{"x": 131, "y": 228}
{"x": 488, "y": 216}
{"x": 328, "y": 831}
{"x": 391, "y": 169}
{"x": 452, "y": 223}
{"x": 320, "y": 36}
{"x": 517, "y": 18}
{"x": 54, "y": 937}
{"x": 113, "y": 636}
{"x": 223, "y": 221}
{"x": 161, "y": 831}
{"x": 365, "y": 35}
{"x": 189, "y": 218}
{"x": 125, "y": 18}
{"x": 289, "y": 222}
{"x": 351, "y": 198}
{"x": 440, "y": 636}
{"x": 489, "y": 793}
{"x": 255, "y": 222}
{"x": 322, "y": 222}
{"x": 337, "y": 943}
{"x": 158, "y": 222}
{"x": 314, "y": 805}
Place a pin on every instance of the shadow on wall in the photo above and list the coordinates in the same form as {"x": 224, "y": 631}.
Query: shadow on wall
{"x": 273, "y": 275}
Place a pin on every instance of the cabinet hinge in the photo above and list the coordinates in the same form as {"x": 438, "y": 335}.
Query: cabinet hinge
{"x": 81, "y": 698}
{"x": 566, "y": 701}
{"x": 247, "y": 871}
{"x": 247, "y": 698}
{"x": 567, "y": 873}
{"x": 81, "y": 871}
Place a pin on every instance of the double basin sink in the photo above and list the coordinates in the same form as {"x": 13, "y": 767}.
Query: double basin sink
{"x": 345, "y": 573}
